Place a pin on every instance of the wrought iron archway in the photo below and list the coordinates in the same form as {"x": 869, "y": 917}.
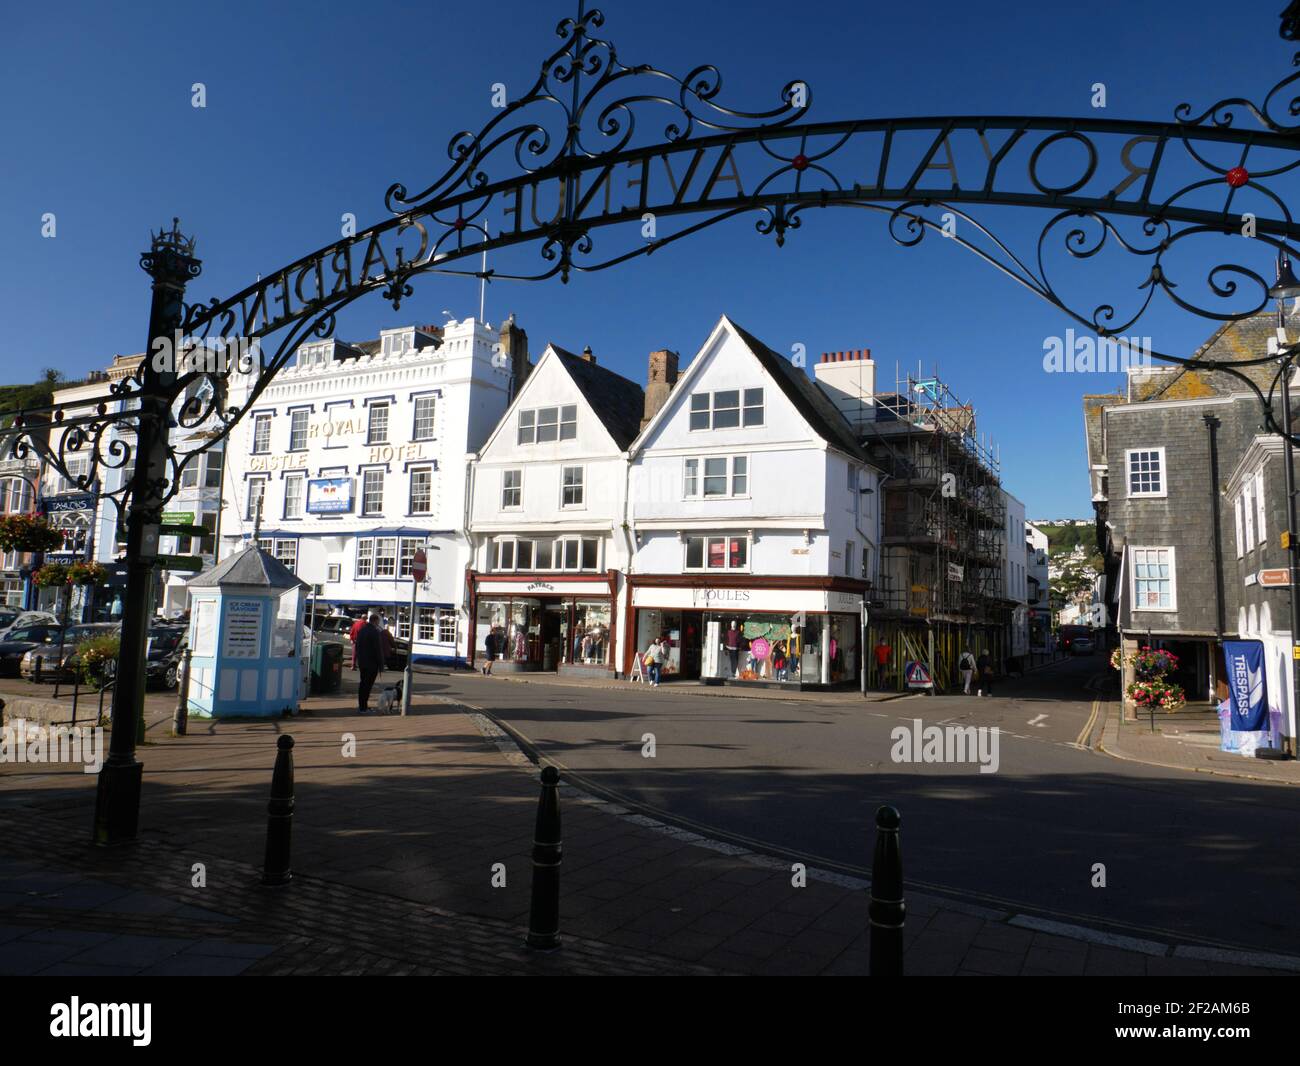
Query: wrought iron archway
{"x": 1141, "y": 189}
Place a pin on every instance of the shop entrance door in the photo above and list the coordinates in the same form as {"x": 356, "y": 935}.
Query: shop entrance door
{"x": 555, "y": 617}
{"x": 691, "y": 643}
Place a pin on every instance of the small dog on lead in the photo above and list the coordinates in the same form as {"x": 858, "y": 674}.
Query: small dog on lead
{"x": 390, "y": 698}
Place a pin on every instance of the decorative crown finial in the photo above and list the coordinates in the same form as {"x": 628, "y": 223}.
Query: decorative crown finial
{"x": 173, "y": 240}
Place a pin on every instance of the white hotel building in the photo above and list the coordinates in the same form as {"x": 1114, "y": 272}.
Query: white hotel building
{"x": 356, "y": 456}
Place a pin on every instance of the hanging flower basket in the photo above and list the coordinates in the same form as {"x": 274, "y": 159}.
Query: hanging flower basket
{"x": 51, "y": 575}
{"x": 28, "y": 533}
{"x": 1149, "y": 664}
{"x": 1163, "y": 695}
{"x": 87, "y": 574}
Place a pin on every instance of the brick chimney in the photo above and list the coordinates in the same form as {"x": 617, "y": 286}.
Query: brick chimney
{"x": 514, "y": 345}
{"x": 587, "y": 356}
{"x": 660, "y": 379}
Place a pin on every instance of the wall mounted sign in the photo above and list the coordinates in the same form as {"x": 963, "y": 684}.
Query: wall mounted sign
{"x": 242, "y": 634}
{"x": 329, "y": 495}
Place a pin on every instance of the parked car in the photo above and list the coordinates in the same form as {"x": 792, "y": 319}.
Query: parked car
{"x": 12, "y": 619}
{"x": 51, "y": 667}
{"x": 1081, "y": 646}
{"x": 162, "y": 663}
{"x": 17, "y": 641}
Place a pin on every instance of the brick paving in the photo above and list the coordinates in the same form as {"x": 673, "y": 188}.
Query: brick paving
{"x": 395, "y": 845}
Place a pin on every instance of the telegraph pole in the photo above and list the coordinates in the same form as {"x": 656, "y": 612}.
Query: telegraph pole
{"x": 171, "y": 264}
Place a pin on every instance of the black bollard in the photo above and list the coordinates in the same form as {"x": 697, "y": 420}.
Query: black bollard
{"x": 279, "y": 822}
{"x": 544, "y": 910}
{"x": 181, "y": 716}
{"x": 36, "y": 669}
{"x": 887, "y": 908}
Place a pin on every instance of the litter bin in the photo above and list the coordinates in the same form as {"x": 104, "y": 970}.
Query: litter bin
{"x": 326, "y": 667}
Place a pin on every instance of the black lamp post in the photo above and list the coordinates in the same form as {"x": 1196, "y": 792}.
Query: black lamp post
{"x": 171, "y": 263}
{"x": 1285, "y": 288}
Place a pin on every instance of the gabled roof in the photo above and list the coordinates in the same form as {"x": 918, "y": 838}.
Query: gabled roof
{"x": 253, "y": 567}
{"x": 1232, "y": 342}
{"x": 812, "y": 404}
{"x": 617, "y": 402}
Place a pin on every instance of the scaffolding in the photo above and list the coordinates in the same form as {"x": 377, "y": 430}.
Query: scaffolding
{"x": 943, "y": 530}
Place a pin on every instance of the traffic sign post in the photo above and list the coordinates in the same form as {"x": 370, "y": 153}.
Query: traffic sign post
{"x": 419, "y": 569}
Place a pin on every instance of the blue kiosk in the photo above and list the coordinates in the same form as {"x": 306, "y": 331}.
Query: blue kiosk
{"x": 245, "y": 638}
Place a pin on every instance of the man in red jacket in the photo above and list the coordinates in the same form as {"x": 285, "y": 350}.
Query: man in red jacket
{"x": 352, "y": 636}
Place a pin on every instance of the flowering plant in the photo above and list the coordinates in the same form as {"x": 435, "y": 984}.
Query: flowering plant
{"x": 51, "y": 575}
{"x": 87, "y": 574}
{"x": 1157, "y": 692}
{"x": 1148, "y": 663}
{"x": 28, "y": 533}
{"x": 97, "y": 657}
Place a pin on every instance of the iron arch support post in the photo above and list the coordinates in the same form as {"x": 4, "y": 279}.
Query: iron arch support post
{"x": 171, "y": 263}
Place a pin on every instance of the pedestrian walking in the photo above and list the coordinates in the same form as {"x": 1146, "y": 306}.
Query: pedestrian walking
{"x": 489, "y": 651}
{"x": 653, "y": 656}
{"x": 985, "y": 667}
{"x": 352, "y": 636}
{"x": 369, "y": 650}
{"x": 882, "y": 652}
{"x": 966, "y": 664}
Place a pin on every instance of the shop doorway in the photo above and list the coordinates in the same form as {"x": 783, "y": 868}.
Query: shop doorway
{"x": 555, "y": 627}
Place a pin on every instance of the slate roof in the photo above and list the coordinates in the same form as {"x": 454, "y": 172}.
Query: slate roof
{"x": 1232, "y": 342}
{"x": 1092, "y": 408}
{"x": 809, "y": 400}
{"x": 252, "y": 566}
{"x": 618, "y": 402}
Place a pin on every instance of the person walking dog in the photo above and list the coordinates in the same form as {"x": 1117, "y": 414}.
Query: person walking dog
{"x": 369, "y": 648}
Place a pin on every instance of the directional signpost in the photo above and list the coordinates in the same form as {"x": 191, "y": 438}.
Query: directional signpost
{"x": 419, "y": 569}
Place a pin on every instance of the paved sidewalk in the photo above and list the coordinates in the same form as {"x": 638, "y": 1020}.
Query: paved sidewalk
{"x": 395, "y": 847}
{"x": 1186, "y": 743}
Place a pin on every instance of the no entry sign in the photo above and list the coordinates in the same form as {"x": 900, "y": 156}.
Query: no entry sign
{"x": 419, "y": 564}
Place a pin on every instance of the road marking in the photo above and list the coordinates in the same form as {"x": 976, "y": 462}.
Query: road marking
{"x": 1086, "y": 732}
{"x": 1037, "y": 721}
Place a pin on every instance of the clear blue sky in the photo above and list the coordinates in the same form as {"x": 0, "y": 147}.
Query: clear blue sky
{"x": 315, "y": 108}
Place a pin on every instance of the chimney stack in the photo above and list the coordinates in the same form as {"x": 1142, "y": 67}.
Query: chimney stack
{"x": 849, "y": 380}
{"x": 661, "y": 378}
{"x": 514, "y": 346}
{"x": 587, "y": 356}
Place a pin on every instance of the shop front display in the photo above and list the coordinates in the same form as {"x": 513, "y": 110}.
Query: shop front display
{"x": 544, "y": 625}
{"x": 798, "y": 636}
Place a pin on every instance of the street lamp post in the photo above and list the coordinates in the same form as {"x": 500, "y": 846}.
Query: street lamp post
{"x": 1287, "y": 287}
{"x": 170, "y": 263}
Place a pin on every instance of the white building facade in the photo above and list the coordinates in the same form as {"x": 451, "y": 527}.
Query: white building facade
{"x": 548, "y": 509}
{"x": 753, "y": 521}
{"x": 1015, "y": 578}
{"x": 355, "y": 455}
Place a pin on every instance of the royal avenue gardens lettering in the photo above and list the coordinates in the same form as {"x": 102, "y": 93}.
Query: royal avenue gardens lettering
{"x": 880, "y": 160}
